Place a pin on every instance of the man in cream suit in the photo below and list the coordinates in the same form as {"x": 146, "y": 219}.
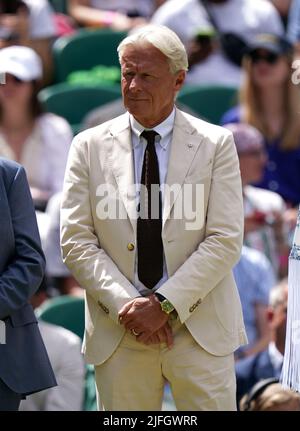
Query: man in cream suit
{"x": 161, "y": 302}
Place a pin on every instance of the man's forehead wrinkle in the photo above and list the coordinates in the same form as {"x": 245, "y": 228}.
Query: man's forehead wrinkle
{"x": 141, "y": 65}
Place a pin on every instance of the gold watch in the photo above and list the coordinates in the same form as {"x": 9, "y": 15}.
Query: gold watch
{"x": 165, "y": 304}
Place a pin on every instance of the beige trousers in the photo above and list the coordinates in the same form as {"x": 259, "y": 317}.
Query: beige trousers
{"x": 133, "y": 377}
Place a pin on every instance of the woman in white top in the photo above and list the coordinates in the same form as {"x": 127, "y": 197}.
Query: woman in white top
{"x": 40, "y": 141}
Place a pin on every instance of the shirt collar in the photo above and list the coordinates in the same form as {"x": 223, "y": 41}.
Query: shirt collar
{"x": 276, "y": 357}
{"x": 164, "y": 129}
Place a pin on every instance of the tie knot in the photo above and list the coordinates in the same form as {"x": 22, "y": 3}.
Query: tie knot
{"x": 149, "y": 135}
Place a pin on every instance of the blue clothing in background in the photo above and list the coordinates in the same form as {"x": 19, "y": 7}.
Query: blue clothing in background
{"x": 254, "y": 278}
{"x": 251, "y": 370}
{"x": 293, "y": 25}
{"x": 282, "y": 171}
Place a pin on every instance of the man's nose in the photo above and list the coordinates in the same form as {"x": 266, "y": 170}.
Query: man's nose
{"x": 135, "y": 84}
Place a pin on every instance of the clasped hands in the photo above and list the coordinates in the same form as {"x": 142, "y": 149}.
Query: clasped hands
{"x": 144, "y": 318}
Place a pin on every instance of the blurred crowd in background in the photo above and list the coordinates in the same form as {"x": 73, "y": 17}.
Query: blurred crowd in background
{"x": 62, "y": 75}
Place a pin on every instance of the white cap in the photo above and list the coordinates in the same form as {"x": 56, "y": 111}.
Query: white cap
{"x": 21, "y": 62}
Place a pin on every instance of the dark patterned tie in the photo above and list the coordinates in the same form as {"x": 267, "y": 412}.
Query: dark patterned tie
{"x": 149, "y": 223}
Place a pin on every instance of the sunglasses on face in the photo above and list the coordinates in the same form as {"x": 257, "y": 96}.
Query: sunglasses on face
{"x": 268, "y": 57}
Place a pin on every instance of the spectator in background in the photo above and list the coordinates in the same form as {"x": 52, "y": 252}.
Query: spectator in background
{"x": 267, "y": 363}
{"x": 63, "y": 348}
{"x": 40, "y": 141}
{"x": 245, "y": 18}
{"x": 29, "y": 23}
{"x": 293, "y": 26}
{"x": 271, "y": 103}
{"x": 263, "y": 209}
{"x": 14, "y": 22}
{"x": 116, "y": 14}
{"x": 254, "y": 278}
{"x": 42, "y": 34}
{"x": 283, "y": 7}
{"x": 269, "y": 396}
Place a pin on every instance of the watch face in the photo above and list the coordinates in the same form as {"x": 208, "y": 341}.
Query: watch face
{"x": 167, "y": 306}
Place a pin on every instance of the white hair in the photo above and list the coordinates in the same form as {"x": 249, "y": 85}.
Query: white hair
{"x": 162, "y": 38}
{"x": 278, "y": 293}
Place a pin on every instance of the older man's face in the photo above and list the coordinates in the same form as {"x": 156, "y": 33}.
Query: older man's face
{"x": 148, "y": 86}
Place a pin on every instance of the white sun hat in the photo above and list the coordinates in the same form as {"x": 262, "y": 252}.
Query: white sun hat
{"x": 21, "y": 62}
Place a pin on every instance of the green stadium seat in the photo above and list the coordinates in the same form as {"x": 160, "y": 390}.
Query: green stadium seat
{"x": 73, "y": 102}
{"x": 66, "y": 311}
{"x": 84, "y": 50}
{"x": 210, "y": 102}
{"x": 59, "y": 6}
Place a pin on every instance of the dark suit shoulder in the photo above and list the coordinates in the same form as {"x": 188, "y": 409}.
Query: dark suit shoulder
{"x": 9, "y": 169}
{"x": 9, "y": 165}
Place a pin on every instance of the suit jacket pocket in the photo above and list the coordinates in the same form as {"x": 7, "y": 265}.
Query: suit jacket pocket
{"x": 225, "y": 303}
{"x": 23, "y": 317}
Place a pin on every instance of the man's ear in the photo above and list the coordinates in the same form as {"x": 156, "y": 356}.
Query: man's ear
{"x": 270, "y": 315}
{"x": 180, "y": 80}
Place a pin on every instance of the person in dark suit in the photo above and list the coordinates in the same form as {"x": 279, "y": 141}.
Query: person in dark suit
{"x": 268, "y": 363}
{"x": 24, "y": 364}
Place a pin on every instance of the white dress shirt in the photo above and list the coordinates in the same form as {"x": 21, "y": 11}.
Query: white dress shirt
{"x": 162, "y": 147}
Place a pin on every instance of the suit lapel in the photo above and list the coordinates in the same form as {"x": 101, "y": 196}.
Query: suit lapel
{"x": 184, "y": 145}
{"x": 123, "y": 166}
